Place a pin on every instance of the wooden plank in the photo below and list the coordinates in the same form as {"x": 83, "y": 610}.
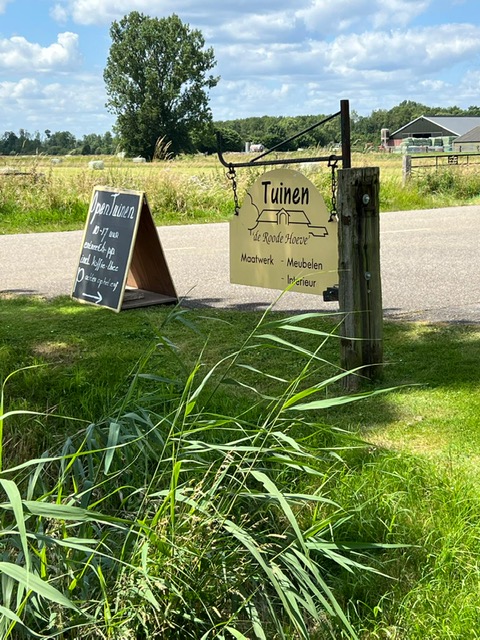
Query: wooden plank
{"x": 149, "y": 269}
{"x": 360, "y": 288}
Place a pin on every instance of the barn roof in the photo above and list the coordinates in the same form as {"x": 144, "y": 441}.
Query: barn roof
{"x": 471, "y": 136}
{"x": 452, "y": 125}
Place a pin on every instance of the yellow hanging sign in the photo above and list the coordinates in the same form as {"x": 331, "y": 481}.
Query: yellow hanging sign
{"x": 283, "y": 235}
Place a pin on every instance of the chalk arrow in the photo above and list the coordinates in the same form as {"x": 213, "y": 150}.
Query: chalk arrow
{"x": 97, "y": 297}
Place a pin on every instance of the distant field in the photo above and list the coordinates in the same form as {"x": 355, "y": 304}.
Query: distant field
{"x": 40, "y": 193}
{"x": 188, "y": 164}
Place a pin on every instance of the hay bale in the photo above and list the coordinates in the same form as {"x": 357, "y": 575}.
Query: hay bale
{"x": 96, "y": 164}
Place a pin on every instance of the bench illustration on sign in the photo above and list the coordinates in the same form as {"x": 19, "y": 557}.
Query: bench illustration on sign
{"x": 121, "y": 263}
{"x": 283, "y": 235}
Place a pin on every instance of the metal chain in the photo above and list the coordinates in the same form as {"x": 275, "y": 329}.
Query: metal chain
{"x": 333, "y": 211}
{"x": 231, "y": 175}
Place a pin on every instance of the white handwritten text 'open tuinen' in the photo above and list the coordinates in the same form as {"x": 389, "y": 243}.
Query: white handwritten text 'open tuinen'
{"x": 110, "y": 209}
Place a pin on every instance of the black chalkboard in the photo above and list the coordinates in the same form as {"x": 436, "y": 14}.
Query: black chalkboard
{"x": 109, "y": 250}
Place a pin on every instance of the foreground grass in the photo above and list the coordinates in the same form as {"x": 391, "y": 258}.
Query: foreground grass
{"x": 414, "y": 483}
{"x": 192, "y": 189}
{"x": 90, "y": 352}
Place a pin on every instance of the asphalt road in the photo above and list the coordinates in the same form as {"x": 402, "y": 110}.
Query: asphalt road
{"x": 430, "y": 263}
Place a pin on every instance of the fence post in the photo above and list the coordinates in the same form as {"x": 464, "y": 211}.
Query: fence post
{"x": 345, "y": 134}
{"x": 406, "y": 168}
{"x": 360, "y": 288}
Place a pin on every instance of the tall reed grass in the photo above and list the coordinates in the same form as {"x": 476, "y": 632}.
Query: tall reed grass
{"x": 59, "y": 198}
{"x": 458, "y": 182}
{"x": 192, "y": 189}
{"x": 170, "y": 519}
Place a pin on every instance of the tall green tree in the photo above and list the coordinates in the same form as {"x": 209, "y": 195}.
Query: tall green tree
{"x": 157, "y": 80}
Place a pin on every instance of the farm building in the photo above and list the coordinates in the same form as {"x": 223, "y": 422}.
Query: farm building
{"x": 469, "y": 142}
{"x": 433, "y": 131}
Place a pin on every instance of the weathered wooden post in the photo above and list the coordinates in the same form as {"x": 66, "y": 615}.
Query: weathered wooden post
{"x": 406, "y": 168}
{"x": 360, "y": 287}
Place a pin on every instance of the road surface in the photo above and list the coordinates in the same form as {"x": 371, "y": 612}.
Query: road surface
{"x": 430, "y": 263}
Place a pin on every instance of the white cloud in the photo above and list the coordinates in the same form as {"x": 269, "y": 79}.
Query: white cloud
{"x": 14, "y": 92}
{"x": 374, "y": 56}
{"x": 412, "y": 64}
{"x": 469, "y": 87}
{"x": 74, "y": 105}
{"x": 17, "y": 54}
{"x": 89, "y": 12}
{"x": 3, "y": 5}
{"x": 272, "y": 60}
{"x": 59, "y": 13}
{"x": 327, "y": 17}
{"x": 420, "y": 50}
{"x": 434, "y": 86}
{"x": 277, "y": 26}
{"x": 254, "y": 95}
{"x": 275, "y": 57}
{"x": 398, "y": 13}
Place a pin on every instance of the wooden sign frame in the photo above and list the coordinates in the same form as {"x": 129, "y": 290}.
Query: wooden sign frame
{"x": 122, "y": 264}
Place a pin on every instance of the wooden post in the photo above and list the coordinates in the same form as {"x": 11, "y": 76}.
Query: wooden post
{"x": 360, "y": 288}
{"x": 345, "y": 134}
{"x": 406, "y": 168}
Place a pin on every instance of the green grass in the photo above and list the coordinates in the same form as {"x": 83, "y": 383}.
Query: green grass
{"x": 180, "y": 481}
{"x": 193, "y": 189}
{"x": 138, "y": 499}
{"x": 90, "y": 353}
{"x": 413, "y": 483}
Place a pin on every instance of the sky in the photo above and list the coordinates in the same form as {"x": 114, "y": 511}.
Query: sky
{"x": 274, "y": 57}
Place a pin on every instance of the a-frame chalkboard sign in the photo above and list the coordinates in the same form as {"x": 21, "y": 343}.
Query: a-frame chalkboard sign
{"x": 121, "y": 264}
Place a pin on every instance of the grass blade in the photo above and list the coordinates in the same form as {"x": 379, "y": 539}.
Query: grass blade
{"x": 15, "y": 502}
{"x": 32, "y": 582}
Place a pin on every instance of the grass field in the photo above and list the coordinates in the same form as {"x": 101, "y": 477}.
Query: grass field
{"x": 178, "y": 473}
{"x": 53, "y": 197}
{"x": 410, "y": 480}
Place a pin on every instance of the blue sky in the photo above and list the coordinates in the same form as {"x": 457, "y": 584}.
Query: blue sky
{"x": 275, "y": 57}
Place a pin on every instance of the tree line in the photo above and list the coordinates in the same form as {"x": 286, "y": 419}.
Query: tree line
{"x": 266, "y": 130}
{"x": 365, "y": 130}
{"x": 57, "y": 143}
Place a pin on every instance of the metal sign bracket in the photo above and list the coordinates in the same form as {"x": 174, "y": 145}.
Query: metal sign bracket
{"x": 345, "y": 156}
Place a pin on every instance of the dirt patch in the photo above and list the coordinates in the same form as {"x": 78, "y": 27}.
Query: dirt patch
{"x": 54, "y": 351}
